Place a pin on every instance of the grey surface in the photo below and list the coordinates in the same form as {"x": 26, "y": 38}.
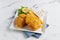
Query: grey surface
{"x": 52, "y": 33}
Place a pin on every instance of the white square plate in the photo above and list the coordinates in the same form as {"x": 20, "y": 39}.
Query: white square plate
{"x": 41, "y": 30}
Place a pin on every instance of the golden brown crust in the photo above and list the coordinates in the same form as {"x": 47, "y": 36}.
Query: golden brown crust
{"x": 22, "y": 16}
{"x": 19, "y": 22}
{"x": 33, "y": 21}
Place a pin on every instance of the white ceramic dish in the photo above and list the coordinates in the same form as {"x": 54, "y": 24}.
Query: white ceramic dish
{"x": 40, "y": 30}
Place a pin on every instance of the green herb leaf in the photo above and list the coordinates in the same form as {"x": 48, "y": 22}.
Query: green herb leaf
{"x": 20, "y": 11}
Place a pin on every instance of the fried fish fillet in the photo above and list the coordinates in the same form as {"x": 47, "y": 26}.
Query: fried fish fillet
{"x": 33, "y": 21}
{"x": 20, "y": 21}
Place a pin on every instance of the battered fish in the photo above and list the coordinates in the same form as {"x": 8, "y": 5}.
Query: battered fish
{"x": 20, "y": 21}
{"x": 33, "y": 21}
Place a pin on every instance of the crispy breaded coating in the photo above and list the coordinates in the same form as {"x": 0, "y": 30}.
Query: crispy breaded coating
{"x": 20, "y": 21}
{"x": 33, "y": 21}
{"x": 22, "y": 16}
